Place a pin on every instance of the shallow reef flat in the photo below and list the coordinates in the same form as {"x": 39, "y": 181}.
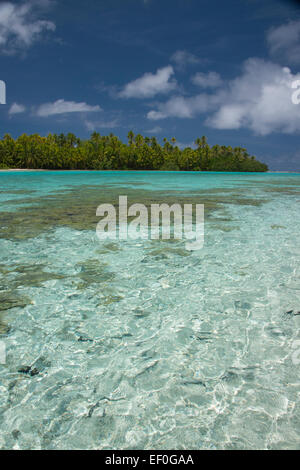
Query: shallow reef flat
{"x": 141, "y": 344}
{"x": 76, "y": 208}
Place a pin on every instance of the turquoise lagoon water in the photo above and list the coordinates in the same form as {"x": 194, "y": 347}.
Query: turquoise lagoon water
{"x": 142, "y": 344}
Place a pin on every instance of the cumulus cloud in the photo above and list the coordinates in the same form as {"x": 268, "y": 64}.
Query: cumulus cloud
{"x": 183, "y": 107}
{"x": 207, "y": 80}
{"x": 16, "y": 109}
{"x": 284, "y": 42}
{"x": 182, "y": 58}
{"x": 260, "y": 99}
{"x": 62, "y": 107}
{"x": 19, "y": 26}
{"x": 150, "y": 84}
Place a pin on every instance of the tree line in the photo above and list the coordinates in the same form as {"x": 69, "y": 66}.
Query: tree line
{"x": 68, "y": 152}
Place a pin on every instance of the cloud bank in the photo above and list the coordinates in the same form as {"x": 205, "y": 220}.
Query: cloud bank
{"x": 260, "y": 99}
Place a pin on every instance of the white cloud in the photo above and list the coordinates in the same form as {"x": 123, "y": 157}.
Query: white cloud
{"x": 207, "y": 80}
{"x": 62, "y": 107}
{"x": 93, "y": 125}
{"x": 182, "y": 107}
{"x": 19, "y": 27}
{"x": 150, "y": 84}
{"x": 183, "y": 58}
{"x": 284, "y": 42}
{"x": 154, "y": 130}
{"x": 260, "y": 99}
{"x": 16, "y": 109}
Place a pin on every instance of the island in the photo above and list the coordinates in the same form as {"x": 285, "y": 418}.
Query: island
{"x": 68, "y": 152}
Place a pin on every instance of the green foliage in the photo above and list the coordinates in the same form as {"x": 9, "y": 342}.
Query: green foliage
{"x": 67, "y": 152}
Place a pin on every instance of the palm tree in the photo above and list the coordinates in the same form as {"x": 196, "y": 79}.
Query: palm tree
{"x": 203, "y": 141}
{"x": 198, "y": 142}
{"x": 139, "y": 140}
{"x": 130, "y": 137}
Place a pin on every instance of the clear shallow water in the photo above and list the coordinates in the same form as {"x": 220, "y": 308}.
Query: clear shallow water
{"x": 141, "y": 344}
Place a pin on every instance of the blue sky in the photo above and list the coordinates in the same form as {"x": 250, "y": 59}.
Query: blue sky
{"x": 182, "y": 68}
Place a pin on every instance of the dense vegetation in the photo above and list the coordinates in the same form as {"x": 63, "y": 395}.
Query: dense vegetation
{"x": 67, "y": 152}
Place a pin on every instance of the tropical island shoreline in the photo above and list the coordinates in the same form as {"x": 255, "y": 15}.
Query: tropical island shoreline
{"x": 68, "y": 152}
{"x": 37, "y": 170}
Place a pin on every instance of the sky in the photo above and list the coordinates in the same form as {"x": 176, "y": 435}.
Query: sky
{"x": 169, "y": 68}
